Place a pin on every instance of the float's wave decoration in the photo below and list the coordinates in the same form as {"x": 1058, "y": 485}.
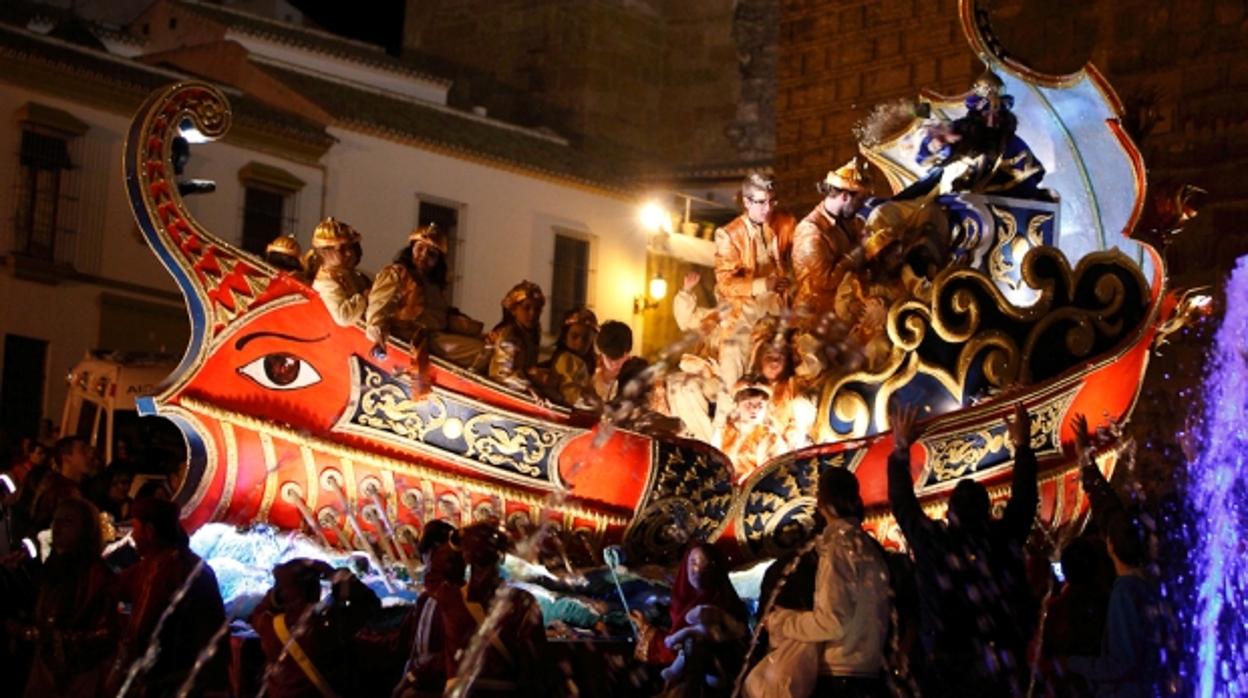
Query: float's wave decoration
{"x": 968, "y": 342}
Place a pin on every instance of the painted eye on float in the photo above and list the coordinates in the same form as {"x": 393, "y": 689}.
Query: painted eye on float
{"x": 281, "y": 372}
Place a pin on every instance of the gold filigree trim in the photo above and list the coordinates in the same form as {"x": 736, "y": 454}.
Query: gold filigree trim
{"x": 420, "y": 473}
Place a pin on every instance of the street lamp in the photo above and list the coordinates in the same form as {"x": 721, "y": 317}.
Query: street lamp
{"x": 656, "y": 291}
{"x": 654, "y": 217}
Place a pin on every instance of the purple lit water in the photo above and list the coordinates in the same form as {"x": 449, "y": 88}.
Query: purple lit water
{"x": 1217, "y": 501}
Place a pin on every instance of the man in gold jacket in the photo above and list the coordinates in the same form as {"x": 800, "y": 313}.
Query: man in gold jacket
{"x": 752, "y": 257}
{"x": 822, "y": 240}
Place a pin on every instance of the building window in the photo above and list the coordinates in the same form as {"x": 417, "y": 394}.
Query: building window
{"x": 264, "y": 212}
{"x": 46, "y": 196}
{"x": 569, "y": 283}
{"x": 446, "y": 215}
{"x": 270, "y": 202}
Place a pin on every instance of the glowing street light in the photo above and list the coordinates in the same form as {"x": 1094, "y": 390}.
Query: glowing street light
{"x": 654, "y": 217}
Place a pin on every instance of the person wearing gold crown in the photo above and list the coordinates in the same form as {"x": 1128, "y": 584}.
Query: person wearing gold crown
{"x": 409, "y": 301}
{"x": 285, "y": 254}
{"x": 342, "y": 287}
{"x": 977, "y": 153}
{"x": 752, "y": 259}
{"x": 511, "y": 348}
{"x": 823, "y": 238}
{"x": 571, "y": 361}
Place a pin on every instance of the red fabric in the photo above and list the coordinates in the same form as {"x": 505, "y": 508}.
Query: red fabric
{"x": 716, "y": 591}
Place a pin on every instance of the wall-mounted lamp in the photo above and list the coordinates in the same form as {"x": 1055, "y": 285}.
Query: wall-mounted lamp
{"x": 656, "y": 291}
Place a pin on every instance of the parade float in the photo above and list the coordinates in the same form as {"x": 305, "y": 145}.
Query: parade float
{"x": 290, "y": 419}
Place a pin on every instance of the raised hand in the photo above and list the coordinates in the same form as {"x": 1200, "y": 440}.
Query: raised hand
{"x": 1080, "y": 424}
{"x": 692, "y": 279}
{"x": 904, "y": 420}
{"x": 1020, "y": 426}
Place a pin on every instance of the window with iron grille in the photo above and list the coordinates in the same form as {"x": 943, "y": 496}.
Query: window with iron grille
{"x": 445, "y": 215}
{"x": 47, "y": 200}
{"x": 270, "y": 205}
{"x": 569, "y": 284}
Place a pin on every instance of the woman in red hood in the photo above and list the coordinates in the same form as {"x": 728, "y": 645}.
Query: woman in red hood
{"x": 704, "y": 647}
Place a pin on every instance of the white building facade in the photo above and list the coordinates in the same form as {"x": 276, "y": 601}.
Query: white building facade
{"x": 519, "y": 202}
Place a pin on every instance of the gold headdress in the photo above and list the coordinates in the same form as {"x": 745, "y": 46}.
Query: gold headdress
{"x": 852, "y": 176}
{"x": 581, "y": 316}
{"x": 332, "y": 232}
{"x": 521, "y": 292}
{"x": 284, "y": 244}
{"x": 430, "y": 235}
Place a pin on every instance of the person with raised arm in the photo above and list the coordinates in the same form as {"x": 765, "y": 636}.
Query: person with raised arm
{"x": 976, "y": 609}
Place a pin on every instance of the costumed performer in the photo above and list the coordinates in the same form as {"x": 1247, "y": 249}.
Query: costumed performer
{"x": 341, "y": 286}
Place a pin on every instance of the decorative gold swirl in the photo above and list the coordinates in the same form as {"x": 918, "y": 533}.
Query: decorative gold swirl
{"x": 386, "y": 406}
{"x": 522, "y": 448}
{"x": 951, "y": 456}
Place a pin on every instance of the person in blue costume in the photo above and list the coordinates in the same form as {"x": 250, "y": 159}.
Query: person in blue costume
{"x": 977, "y": 153}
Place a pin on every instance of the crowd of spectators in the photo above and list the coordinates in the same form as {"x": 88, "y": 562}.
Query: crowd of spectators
{"x": 958, "y": 613}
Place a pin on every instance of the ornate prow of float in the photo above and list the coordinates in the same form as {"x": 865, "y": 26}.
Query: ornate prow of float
{"x": 289, "y": 419}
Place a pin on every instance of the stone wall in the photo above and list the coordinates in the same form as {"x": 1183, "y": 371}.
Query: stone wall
{"x": 657, "y": 81}
{"x": 1179, "y": 66}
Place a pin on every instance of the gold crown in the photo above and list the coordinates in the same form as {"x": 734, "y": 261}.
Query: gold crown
{"x": 852, "y": 176}
{"x": 332, "y": 232}
{"x": 988, "y": 84}
{"x": 284, "y": 244}
{"x": 525, "y": 290}
{"x": 430, "y": 235}
{"x": 581, "y": 316}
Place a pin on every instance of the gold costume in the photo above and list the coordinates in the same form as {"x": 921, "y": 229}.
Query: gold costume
{"x": 401, "y": 305}
{"x": 510, "y": 357}
{"x": 820, "y": 242}
{"x": 750, "y": 258}
{"x": 343, "y": 289}
{"x": 791, "y": 415}
{"x": 510, "y": 353}
{"x": 748, "y": 449}
{"x": 574, "y": 382}
{"x": 345, "y": 292}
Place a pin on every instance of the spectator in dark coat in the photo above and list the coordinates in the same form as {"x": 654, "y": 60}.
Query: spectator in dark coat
{"x": 1127, "y": 663}
{"x": 75, "y": 622}
{"x": 977, "y": 612}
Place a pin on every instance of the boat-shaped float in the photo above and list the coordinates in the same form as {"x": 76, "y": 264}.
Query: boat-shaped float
{"x": 334, "y": 441}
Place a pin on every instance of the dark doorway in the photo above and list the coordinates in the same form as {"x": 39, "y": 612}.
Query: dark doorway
{"x": 21, "y": 385}
{"x": 445, "y": 217}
